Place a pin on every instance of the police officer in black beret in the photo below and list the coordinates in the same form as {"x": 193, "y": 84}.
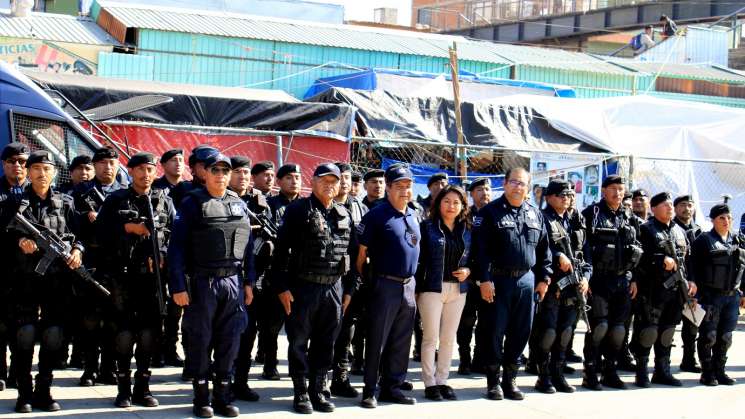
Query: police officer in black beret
{"x": 435, "y": 183}
{"x": 640, "y": 204}
{"x": 374, "y": 187}
{"x": 213, "y": 282}
{"x": 357, "y": 185}
{"x": 40, "y": 303}
{"x": 81, "y": 170}
{"x": 718, "y": 261}
{"x": 262, "y": 177}
{"x": 125, "y": 233}
{"x": 94, "y": 337}
{"x": 614, "y": 252}
{"x": 172, "y": 162}
{"x": 310, "y": 278}
{"x": 659, "y": 306}
{"x": 198, "y": 156}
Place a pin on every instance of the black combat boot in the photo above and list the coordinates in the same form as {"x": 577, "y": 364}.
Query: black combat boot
{"x": 201, "y": 402}
{"x": 543, "y": 384}
{"x": 340, "y": 385}
{"x": 610, "y": 376}
{"x": 530, "y": 365}
{"x": 493, "y": 389}
{"x": 557, "y": 377}
{"x": 590, "y": 376}
{"x": 89, "y": 377}
{"x": 642, "y": 372}
{"x": 171, "y": 356}
{"x": 25, "y": 393}
{"x": 688, "y": 364}
{"x": 124, "y": 390}
{"x": 315, "y": 393}
{"x": 301, "y": 402}
{"x": 625, "y": 360}
{"x": 509, "y": 383}
{"x": 270, "y": 367}
{"x": 662, "y": 374}
{"x": 722, "y": 377}
{"x": 141, "y": 394}
{"x": 242, "y": 391}
{"x": 107, "y": 372}
{"x": 464, "y": 366}
{"x": 221, "y": 399}
{"x": 42, "y": 398}
{"x": 708, "y": 378}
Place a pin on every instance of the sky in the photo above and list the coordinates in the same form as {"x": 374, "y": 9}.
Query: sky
{"x": 363, "y": 9}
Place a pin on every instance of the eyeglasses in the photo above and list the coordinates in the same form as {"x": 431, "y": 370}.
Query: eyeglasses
{"x": 516, "y": 183}
{"x": 11, "y": 161}
{"x": 566, "y": 195}
{"x": 220, "y": 170}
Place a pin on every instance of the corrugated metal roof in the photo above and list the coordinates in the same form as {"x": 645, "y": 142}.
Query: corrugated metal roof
{"x": 687, "y": 71}
{"x": 54, "y": 27}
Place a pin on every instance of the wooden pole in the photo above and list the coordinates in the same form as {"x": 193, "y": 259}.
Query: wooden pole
{"x": 461, "y": 169}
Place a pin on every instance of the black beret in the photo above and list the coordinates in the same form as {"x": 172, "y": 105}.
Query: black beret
{"x": 201, "y": 153}
{"x": 356, "y": 177}
{"x": 557, "y": 186}
{"x": 478, "y": 182}
{"x": 262, "y": 166}
{"x": 398, "y": 172}
{"x": 240, "y": 161}
{"x": 40, "y": 156}
{"x": 436, "y": 178}
{"x": 683, "y": 198}
{"x": 660, "y": 198}
{"x": 215, "y": 159}
{"x": 141, "y": 158}
{"x": 718, "y": 210}
{"x": 374, "y": 173}
{"x": 611, "y": 180}
{"x": 343, "y": 167}
{"x": 627, "y": 195}
{"x": 14, "y": 149}
{"x": 104, "y": 153}
{"x": 327, "y": 169}
{"x": 168, "y": 155}
{"x": 79, "y": 161}
{"x": 287, "y": 169}
{"x": 639, "y": 193}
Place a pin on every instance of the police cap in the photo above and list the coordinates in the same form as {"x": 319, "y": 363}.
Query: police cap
{"x": 327, "y": 169}
{"x": 639, "y": 193}
{"x": 612, "y": 180}
{"x": 481, "y": 181}
{"x": 261, "y": 167}
{"x": 79, "y": 161}
{"x": 141, "y": 158}
{"x": 168, "y": 155}
{"x": 660, "y": 198}
{"x": 201, "y": 153}
{"x": 40, "y": 156}
{"x": 557, "y": 186}
{"x": 216, "y": 159}
{"x": 683, "y": 198}
{"x": 240, "y": 161}
{"x": 374, "y": 173}
{"x": 343, "y": 167}
{"x": 356, "y": 177}
{"x": 718, "y": 210}
{"x": 13, "y": 149}
{"x": 398, "y": 172}
{"x": 288, "y": 169}
{"x": 104, "y": 153}
{"x": 436, "y": 178}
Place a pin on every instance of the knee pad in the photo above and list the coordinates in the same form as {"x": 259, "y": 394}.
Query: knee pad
{"x": 25, "y": 337}
{"x": 565, "y": 337}
{"x": 547, "y": 340}
{"x": 647, "y": 337}
{"x": 617, "y": 334}
{"x": 726, "y": 340}
{"x": 599, "y": 332}
{"x": 666, "y": 337}
{"x": 710, "y": 339}
{"x": 123, "y": 343}
{"x": 52, "y": 338}
{"x": 147, "y": 341}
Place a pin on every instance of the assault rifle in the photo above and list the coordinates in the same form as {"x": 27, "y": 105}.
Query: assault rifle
{"x": 678, "y": 277}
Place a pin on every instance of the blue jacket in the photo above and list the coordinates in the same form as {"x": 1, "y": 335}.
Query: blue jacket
{"x": 429, "y": 273}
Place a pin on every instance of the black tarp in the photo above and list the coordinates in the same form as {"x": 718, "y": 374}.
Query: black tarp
{"x": 381, "y": 114}
{"x": 206, "y": 105}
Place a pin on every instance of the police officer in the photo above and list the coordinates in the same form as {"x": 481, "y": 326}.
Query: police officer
{"x": 435, "y": 183}
{"x": 307, "y": 277}
{"x": 684, "y": 210}
{"x": 640, "y": 204}
{"x": 81, "y": 170}
{"x": 507, "y": 281}
{"x": 262, "y": 246}
{"x": 556, "y": 317}
{"x": 374, "y": 187}
{"x": 262, "y": 177}
{"x": 718, "y": 261}
{"x": 480, "y": 190}
{"x": 290, "y": 183}
{"x": 351, "y": 321}
{"x": 198, "y": 156}
{"x": 12, "y": 185}
{"x": 357, "y": 185}
{"x": 659, "y": 304}
{"x": 172, "y": 162}
{"x": 40, "y": 303}
{"x": 125, "y": 234}
{"x": 614, "y": 251}
{"x": 94, "y": 335}
{"x": 389, "y": 235}
{"x": 209, "y": 253}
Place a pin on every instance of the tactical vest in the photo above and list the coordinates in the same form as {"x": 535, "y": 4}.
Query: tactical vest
{"x": 725, "y": 264}
{"x": 222, "y": 232}
{"x": 135, "y": 204}
{"x": 614, "y": 246}
{"x": 323, "y": 255}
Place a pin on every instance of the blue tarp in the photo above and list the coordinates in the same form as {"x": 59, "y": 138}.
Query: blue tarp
{"x": 368, "y": 80}
{"x": 422, "y": 174}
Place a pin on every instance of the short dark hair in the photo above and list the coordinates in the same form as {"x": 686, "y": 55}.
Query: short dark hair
{"x": 434, "y": 209}
{"x": 648, "y": 27}
{"x": 516, "y": 169}
{"x": 663, "y": 17}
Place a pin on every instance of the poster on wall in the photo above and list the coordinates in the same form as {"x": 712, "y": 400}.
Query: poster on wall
{"x": 583, "y": 171}
{"x": 49, "y": 57}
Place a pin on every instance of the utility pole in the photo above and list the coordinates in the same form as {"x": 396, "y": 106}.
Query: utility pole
{"x": 460, "y": 169}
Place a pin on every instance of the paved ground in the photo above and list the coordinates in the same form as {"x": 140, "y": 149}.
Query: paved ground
{"x": 691, "y": 401}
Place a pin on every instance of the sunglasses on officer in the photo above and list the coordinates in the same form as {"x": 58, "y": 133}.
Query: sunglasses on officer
{"x": 13, "y": 160}
{"x": 219, "y": 170}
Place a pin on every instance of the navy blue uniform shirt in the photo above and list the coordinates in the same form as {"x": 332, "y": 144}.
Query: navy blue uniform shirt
{"x": 392, "y": 240}
{"x": 512, "y": 239}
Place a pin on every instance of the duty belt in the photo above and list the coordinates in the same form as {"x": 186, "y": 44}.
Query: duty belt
{"x": 217, "y": 272}
{"x": 510, "y": 273}
{"x": 401, "y": 279}
{"x": 319, "y": 279}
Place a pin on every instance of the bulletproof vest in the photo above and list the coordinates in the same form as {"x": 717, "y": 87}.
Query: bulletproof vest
{"x": 135, "y": 247}
{"x": 222, "y": 231}
{"x": 725, "y": 264}
{"x": 325, "y": 243}
{"x": 613, "y": 242}
{"x": 356, "y": 210}
{"x": 560, "y": 238}
{"x": 54, "y": 217}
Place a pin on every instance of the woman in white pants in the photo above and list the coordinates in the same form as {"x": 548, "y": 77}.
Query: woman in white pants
{"x": 441, "y": 287}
